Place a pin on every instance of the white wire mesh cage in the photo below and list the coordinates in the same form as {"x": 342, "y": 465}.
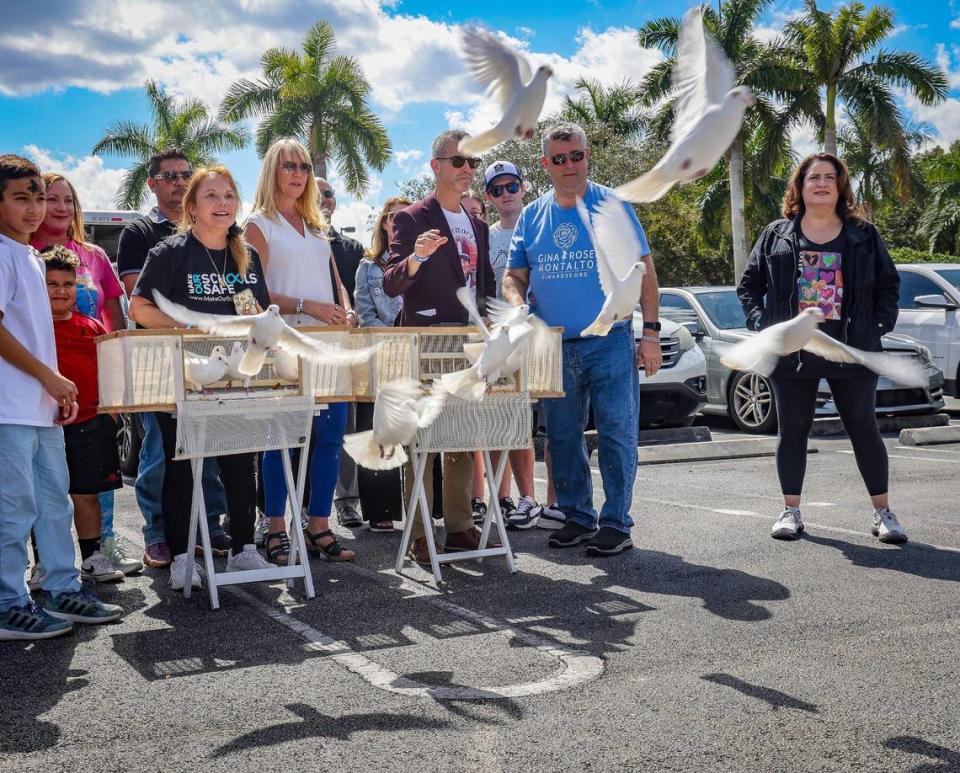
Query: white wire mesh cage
{"x": 441, "y": 352}
{"x": 500, "y": 421}
{"x": 224, "y": 427}
{"x": 544, "y": 367}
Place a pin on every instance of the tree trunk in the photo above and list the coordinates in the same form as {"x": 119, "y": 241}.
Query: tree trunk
{"x": 830, "y": 128}
{"x": 317, "y": 157}
{"x": 738, "y": 228}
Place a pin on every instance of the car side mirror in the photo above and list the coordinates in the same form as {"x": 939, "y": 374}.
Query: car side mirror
{"x": 935, "y": 301}
{"x": 696, "y": 331}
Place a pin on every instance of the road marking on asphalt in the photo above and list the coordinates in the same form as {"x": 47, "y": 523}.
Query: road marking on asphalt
{"x": 913, "y": 458}
{"x": 577, "y": 666}
{"x": 926, "y": 449}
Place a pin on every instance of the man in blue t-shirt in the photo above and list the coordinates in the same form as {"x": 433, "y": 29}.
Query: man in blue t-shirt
{"x": 553, "y": 257}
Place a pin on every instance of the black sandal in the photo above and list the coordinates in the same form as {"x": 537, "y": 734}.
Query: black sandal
{"x": 332, "y": 552}
{"x": 279, "y": 552}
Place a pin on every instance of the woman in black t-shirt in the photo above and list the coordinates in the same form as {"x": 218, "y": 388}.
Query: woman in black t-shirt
{"x": 825, "y": 255}
{"x": 207, "y": 267}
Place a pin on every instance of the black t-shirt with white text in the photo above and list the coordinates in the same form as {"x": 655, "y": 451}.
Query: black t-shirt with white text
{"x": 186, "y": 272}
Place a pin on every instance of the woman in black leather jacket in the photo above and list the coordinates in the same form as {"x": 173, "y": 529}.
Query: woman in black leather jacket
{"x": 824, "y": 254}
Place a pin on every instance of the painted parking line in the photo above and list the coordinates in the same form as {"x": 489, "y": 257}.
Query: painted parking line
{"x": 577, "y": 667}
{"x": 912, "y": 458}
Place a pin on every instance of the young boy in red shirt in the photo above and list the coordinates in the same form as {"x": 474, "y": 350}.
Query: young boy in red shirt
{"x": 91, "y": 440}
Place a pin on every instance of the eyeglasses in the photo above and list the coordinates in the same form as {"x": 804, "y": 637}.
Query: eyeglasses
{"x": 173, "y": 176}
{"x": 497, "y": 190}
{"x": 328, "y": 194}
{"x": 289, "y": 167}
{"x": 457, "y": 162}
{"x": 575, "y": 156}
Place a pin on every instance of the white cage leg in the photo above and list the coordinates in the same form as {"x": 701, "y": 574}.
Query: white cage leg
{"x": 418, "y": 461}
{"x": 428, "y": 526}
{"x": 298, "y": 543}
{"x": 196, "y": 504}
{"x": 494, "y": 477}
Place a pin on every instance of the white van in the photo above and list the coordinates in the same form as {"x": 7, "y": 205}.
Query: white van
{"x": 103, "y": 227}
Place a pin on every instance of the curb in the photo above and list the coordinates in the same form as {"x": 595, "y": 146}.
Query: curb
{"x": 931, "y": 436}
{"x": 833, "y": 425}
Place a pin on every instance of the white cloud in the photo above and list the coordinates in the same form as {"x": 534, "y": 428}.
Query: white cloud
{"x": 955, "y": 24}
{"x": 945, "y": 117}
{"x": 407, "y": 160}
{"x": 96, "y": 186}
{"x": 359, "y": 215}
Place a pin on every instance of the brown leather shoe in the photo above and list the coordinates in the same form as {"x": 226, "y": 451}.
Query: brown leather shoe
{"x": 461, "y": 541}
{"x": 419, "y": 553}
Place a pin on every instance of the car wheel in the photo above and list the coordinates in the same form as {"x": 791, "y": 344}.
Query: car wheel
{"x": 750, "y": 403}
{"x": 128, "y": 444}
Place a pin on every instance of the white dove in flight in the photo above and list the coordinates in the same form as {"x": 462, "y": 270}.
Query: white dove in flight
{"x": 503, "y": 314}
{"x": 400, "y": 409}
{"x": 264, "y": 331}
{"x": 199, "y": 371}
{"x": 286, "y": 365}
{"x": 708, "y": 113}
{"x": 761, "y": 352}
{"x": 619, "y": 262}
{"x": 507, "y": 76}
{"x": 491, "y": 363}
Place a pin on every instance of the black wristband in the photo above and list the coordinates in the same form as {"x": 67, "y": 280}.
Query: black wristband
{"x": 652, "y": 326}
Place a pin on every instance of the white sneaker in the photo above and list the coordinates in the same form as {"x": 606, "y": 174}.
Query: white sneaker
{"x": 99, "y": 569}
{"x": 551, "y": 517}
{"x": 260, "y": 533}
{"x": 115, "y": 550}
{"x": 525, "y": 515}
{"x": 887, "y": 528}
{"x": 178, "y": 573}
{"x": 788, "y": 525}
{"x": 247, "y": 559}
{"x": 37, "y": 576}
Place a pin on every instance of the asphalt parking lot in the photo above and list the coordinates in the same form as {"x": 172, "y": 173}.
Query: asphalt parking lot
{"x": 709, "y": 647}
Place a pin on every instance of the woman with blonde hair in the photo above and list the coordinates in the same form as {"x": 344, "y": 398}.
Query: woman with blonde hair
{"x": 207, "y": 266}
{"x": 289, "y": 231}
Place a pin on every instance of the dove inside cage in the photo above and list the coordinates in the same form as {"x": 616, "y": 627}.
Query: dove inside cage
{"x": 280, "y": 376}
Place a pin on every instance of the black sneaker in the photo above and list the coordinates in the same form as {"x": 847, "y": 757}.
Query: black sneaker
{"x": 507, "y": 507}
{"x": 570, "y": 535}
{"x": 609, "y": 542}
{"x": 479, "y": 508}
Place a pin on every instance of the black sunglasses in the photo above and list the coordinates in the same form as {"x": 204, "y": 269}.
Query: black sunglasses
{"x": 575, "y": 156}
{"x": 290, "y": 167}
{"x": 497, "y": 190}
{"x": 458, "y": 161}
{"x": 171, "y": 176}
{"x": 328, "y": 194}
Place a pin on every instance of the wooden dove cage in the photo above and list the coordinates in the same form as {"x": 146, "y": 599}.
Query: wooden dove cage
{"x": 147, "y": 370}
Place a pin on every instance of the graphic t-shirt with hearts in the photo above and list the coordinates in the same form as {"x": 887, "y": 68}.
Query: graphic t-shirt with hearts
{"x": 820, "y": 280}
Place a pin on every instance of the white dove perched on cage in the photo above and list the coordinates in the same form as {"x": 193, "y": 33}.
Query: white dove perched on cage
{"x": 264, "y": 331}
{"x": 234, "y": 358}
{"x": 760, "y": 353}
{"x": 507, "y": 76}
{"x": 619, "y": 262}
{"x": 199, "y": 371}
{"x": 400, "y": 409}
{"x": 708, "y": 113}
{"x": 491, "y": 363}
{"x": 286, "y": 365}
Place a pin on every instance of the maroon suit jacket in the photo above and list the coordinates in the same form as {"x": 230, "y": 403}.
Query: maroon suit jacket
{"x": 435, "y": 285}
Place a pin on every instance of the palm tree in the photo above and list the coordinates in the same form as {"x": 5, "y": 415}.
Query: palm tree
{"x": 319, "y": 97}
{"x": 833, "y": 47}
{"x": 939, "y": 222}
{"x": 187, "y": 126}
{"x": 616, "y": 107}
{"x": 764, "y": 68}
{"x": 881, "y": 172}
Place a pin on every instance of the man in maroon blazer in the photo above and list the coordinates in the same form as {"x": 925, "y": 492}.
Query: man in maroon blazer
{"x": 436, "y": 248}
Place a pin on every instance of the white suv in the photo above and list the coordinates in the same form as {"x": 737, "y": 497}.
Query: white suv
{"x": 930, "y": 313}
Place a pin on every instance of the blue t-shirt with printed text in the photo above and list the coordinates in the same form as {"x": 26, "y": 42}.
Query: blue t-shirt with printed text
{"x": 553, "y": 243}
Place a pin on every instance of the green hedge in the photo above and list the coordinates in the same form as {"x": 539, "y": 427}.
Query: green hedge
{"x": 907, "y": 255}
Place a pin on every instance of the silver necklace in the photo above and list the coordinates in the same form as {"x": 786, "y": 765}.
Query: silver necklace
{"x": 221, "y": 274}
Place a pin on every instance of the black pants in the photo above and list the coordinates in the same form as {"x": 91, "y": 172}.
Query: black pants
{"x": 238, "y": 473}
{"x": 381, "y": 491}
{"x": 856, "y": 400}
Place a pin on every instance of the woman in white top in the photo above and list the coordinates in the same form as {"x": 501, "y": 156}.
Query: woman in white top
{"x": 289, "y": 232}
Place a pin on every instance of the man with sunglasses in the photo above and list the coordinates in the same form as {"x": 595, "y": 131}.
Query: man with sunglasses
{"x": 347, "y": 254}
{"x": 553, "y": 257}
{"x": 426, "y": 269}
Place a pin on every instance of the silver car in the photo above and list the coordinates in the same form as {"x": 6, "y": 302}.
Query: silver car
{"x": 714, "y": 317}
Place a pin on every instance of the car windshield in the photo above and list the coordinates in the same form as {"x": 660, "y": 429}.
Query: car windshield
{"x": 952, "y": 275}
{"x": 723, "y": 308}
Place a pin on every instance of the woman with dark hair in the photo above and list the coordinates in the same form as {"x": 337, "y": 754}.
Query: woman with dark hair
{"x": 824, "y": 254}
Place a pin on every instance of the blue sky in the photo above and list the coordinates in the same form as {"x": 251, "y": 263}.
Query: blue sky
{"x": 68, "y": 68}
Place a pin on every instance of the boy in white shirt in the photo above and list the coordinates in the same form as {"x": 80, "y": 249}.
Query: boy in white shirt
{"x": 34, "y": 401}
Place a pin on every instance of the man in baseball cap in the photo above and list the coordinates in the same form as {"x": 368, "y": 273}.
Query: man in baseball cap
{"x": 498, "y": 169}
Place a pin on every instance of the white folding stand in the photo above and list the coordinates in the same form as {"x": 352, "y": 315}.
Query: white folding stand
{"x": 501, "y": 422}
{"x": 245, "y": 426}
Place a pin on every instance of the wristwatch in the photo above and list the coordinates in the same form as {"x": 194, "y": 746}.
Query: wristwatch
{"x": 652, "y": 326}
{"x": 299, "y": 311}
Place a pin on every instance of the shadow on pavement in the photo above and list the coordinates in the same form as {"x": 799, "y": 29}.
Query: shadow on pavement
{"x": 775, "y": 698}
{"x": 508, "y": 706}
{"x": 910, "y": 558}
{"x": 948, "y": 759}
{"x": 313, "y": 724}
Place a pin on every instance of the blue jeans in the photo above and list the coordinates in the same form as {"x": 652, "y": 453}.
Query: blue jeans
{"x": 33, "y": 495}
{"x": 149, "y": 486}
{"x": 325, "y": 444}
{"x": 597, "y": 371}
{"x": 106, "y": 514}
